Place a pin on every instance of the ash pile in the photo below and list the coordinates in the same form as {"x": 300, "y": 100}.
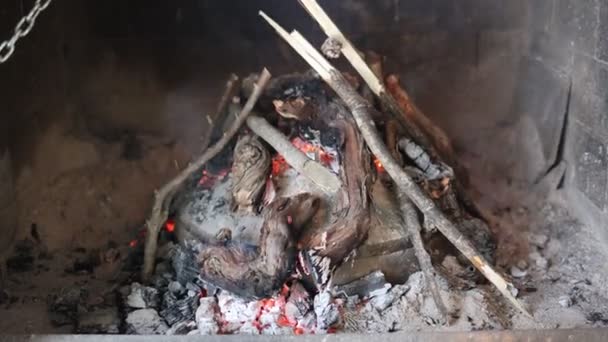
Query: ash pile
{"x": 178, "y": 302}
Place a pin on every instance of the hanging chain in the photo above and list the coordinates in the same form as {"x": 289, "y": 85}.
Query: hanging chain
{"x": 24, "y": 27}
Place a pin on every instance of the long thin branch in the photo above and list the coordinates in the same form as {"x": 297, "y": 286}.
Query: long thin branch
{"x": 361, "y": 109}
{"x": 369, "y": 76}
{"x": 322, "y": 177}
{"x": 164, "y": 196}
{"x": 214, "y": 120}
{"x": 412, "y": 223}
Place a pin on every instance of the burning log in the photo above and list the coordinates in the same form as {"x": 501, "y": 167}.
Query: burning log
{"x": 164, "y": 196}
{"x": 351, "y": 224}
{"x": 252, "y": 272}
{"x": 249, "y": 172}
{"x": 361, "y": 111}
{"x": 322, "y": 177}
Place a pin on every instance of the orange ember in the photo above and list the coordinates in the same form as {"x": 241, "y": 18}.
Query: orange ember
{"x": 208, "y": 179}
{"x": 279, "y": 164}
{"x": 170, "y": 226}
{"x": 378, "y": 165}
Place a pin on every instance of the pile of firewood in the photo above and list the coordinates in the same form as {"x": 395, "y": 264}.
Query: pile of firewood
{"x": 376, "y": 138}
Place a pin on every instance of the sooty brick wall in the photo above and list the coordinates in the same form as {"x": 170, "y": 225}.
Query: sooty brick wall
{"x": 570, "y": 40}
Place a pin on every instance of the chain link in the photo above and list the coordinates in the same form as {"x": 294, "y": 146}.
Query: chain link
{"x": 23, "y": 27}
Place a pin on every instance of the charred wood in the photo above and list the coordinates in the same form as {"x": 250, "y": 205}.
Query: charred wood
{"x": 250, "y": 169}
{"x": 257, "y": 272}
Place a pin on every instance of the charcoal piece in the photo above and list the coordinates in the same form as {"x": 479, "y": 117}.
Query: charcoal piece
{"x": 182, "y": 328}
{"x": 185, "y": 265}
{"x": 160, "y": 282}
{"x": 142, "y": 297}
{"x": 332, "y": 137}
{"x": 100, "y": 321}
{"x": 362, "y": 286}
{"x": 176, "y": 288}
{"x": 386, "y": 299}
{"x": 145, "y": 322}
{"x": 298, "y": 304}
{"x": 326, "y": 310}
{"x": 178, "y": 310}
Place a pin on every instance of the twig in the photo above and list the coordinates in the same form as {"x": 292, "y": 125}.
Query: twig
{"x": 369, "y": 76}
{"x": 231, "y": 89}
{"x": 361, "y": 109}
{"x": 322, "y": 177}
{"x": 164, "y": 196}
{"x": 412, "y": 224}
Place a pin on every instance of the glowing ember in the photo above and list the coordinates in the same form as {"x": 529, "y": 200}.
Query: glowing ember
{"x": 170, "y": 226}
{"x": 378, "y": 165}
{"x": 279, "y": 165}
{"x": 133, "y": 243}
{"x": 208, "y": 179}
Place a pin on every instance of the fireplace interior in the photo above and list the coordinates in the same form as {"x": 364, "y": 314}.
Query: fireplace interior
{"x": 107, "y": 101}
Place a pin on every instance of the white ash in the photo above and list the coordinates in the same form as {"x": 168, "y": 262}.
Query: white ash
{"x": 383, "y": 301}
{"x": 207, "y": 211}
{"x": 145, "y": 322}
{"x": 326, "y": 310}
{"x": 142, "y": 297}
{"x": 206, "y": 320}
{"x": 362, "y": 286}
{"x": 538, "y": 240}
{"x": 235, "y": 311}
{"x": 517, "y": 272}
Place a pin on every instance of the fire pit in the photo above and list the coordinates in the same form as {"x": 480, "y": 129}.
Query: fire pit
{"x": 337, "y": 195}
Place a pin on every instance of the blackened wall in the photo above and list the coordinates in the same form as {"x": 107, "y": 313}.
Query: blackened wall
{"x": 536, "y": 67}
{"x": 569, "y": 52}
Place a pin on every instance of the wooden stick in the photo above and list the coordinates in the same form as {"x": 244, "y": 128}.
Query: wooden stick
{"x": 360, "y": 109}
{"x": 216, "y": 120}
{"x": 321, "y": 176}
{"x": 164, "y": 196}
{"x": 412, "y": 224}
{"x": 375, "y": 83}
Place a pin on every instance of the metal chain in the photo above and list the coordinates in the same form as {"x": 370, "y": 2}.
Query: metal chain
{"x": 24, "y": 26}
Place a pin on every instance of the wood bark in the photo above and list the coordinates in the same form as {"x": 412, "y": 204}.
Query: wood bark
{"x": 258, "y": 272}
{"x": 250, "y": 169}
{"x": 352, "y": 216}
{"x": 164, "y": 196}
